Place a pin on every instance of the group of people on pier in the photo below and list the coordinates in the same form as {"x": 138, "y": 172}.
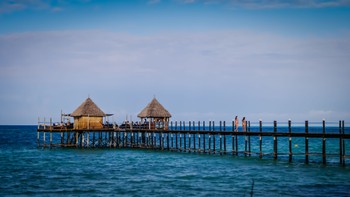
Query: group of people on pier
{"x": 244, "y": 124}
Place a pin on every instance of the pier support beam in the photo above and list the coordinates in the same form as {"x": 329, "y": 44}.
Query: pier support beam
{"x": 306, "y": 142}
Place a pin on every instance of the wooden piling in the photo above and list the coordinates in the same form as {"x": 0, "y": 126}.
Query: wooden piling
{"x": 343, "y": 132}
{"x": 203, "y": 141}
{"x": 260, "y": 139}
{"x": 220, "y": 144}
{"x": 194, "y": 142}
{"x": 209, "y": 141}
{"x": 233, "y": 138}
{"x": 180, "y": 143}
{"x": 340, "y": 144}
{"x": 199, "y": 142}
{"x": 185, "y": 142}
{"x": 290, "y": 140}
{"x": 324, "y": 159}
{"x": 275, "y": 140}
{"x": 306, "y": 142}
{"x": 189, "y": 142}
{"x": 249, "y": 144}
{"x": 44, "y": 138}
{"x": 214, "y": 141}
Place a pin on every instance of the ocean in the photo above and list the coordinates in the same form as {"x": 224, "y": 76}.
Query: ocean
{"x": 26, "y": 170}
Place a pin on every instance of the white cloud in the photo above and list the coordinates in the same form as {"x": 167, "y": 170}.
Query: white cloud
{"x": 197, "y": 75}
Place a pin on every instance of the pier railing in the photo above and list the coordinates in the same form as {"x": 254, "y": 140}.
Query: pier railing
{"x": 308, "y": 141}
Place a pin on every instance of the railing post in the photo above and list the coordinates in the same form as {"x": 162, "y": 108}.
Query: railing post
{"x": 275, "y": 140}
{"x": 324, "y": 159}
{"x": 307, "y": 142}
{"x": 343, "y": 128}
{"x": 290, "y": 140}
{"x": 249, "y": 144}
{"x": 233, "y": 137}
{"x": 260, "y": 138}
{"x": 340, "y": 144}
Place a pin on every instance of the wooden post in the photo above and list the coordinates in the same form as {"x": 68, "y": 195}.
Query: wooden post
{"x": 172, "y": 142}
{"x": 214, "y": 140}
{"x": 185, "y": 142}
{"x": 199, "y": 142}
{"x": 233, "y": 137}
{"x": 249, "y": 145}
{"x": 194, "y": 142}
{"x": 62, "y": 138}
{"x": 224, "y": 138}
{"x": 220, "y": 125}
{"x": 189, "y": 136}
{"x": 209, "y": 145}
{"x": 176, "y": 141}
{"x": 236, "y": 144}
{"x": 260, "y": 139}
{"x": 93, "y": 140}
{"x": 50, "y": 138}
{"x": 189, "y": 142}
{"x": 44, "y": 139}
{"x": 199, "y": 125}
{"x": 155, "y": 140}
{"x": 324, "y": 159}
{"x": 180, "y": 143}
{"x": 175, "y": 125}
{"x": 220, "y": 144}
{"x": 209, "y": 125}
{"x": 82, "y": 140}
{"x": 203, "y": 140}
{"x": 343, "y": 130}
{"x": 245, "y": 145}
{"x": 340, "y": 145}
{"x": 161, "y": 145}
{"x": 290, "y": 140}
{"x": 38, "y": 138}
{"x": 275, "y": 140}
{"x": 224, "y": 144}
{"x": 76, "y": 138}
{"x": 307, "y": 142}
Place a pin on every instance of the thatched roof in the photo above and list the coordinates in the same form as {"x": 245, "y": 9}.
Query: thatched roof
{"x": 88, "y": 108}
{"x": 154, "y": 110}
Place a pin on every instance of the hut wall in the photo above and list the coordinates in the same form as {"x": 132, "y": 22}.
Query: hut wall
{"x": 85, "y": 122}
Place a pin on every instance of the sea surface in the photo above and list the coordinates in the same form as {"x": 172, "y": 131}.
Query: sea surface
{"x": 26, "y": 170}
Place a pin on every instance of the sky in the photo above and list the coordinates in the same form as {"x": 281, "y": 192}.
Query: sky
{"x": 202, "y": 59}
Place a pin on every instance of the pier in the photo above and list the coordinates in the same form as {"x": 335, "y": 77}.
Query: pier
{"x": 315, "y": 143}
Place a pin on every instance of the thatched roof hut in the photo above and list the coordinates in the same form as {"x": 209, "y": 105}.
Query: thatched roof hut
{"x": 156, "y": 114}
{"x": 154, "y": 110}
{"x": 88, "y": 108}
{"x": 88, "y": 116}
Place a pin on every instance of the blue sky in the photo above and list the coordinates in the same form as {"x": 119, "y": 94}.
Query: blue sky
{"x": 203, "y": 60}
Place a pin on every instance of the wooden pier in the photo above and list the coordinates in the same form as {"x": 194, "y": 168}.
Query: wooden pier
{"x": 199, "y": 137}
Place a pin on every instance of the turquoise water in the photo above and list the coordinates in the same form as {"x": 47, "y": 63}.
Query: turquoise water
{"x": 27, "y": 170}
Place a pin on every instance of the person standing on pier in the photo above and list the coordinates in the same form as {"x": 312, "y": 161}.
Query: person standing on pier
{"x": 236, "y": 123}
{"x": 244, "y": 124}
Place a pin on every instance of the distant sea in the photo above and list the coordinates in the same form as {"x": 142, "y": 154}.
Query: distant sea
{"x": 26, "y": 170}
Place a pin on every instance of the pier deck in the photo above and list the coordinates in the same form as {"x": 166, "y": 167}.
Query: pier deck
{"x": 271, "y": 142}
